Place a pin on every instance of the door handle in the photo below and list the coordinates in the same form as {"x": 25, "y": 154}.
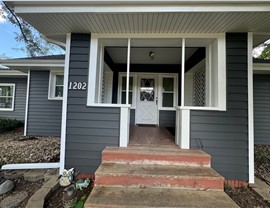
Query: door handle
{"x": 156, "y": 100}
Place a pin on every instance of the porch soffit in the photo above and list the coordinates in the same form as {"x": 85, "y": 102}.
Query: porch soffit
{"x": 56, "y": 25}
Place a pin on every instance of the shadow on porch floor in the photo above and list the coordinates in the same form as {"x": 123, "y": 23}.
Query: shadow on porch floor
{"x": 151, "y": 136}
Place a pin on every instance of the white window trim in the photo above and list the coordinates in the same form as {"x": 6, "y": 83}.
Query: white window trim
{"x": 175, "y": 91}
{"x": 13, "y": 96}
{"x": 52, "y": 84}
{"x": 134, "y": 90}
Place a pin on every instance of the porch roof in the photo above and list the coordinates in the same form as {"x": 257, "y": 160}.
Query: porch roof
{"x": 56, "y": 18}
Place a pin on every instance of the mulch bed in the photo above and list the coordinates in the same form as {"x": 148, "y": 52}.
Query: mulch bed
{"x": 245, "y": 197}
{"x": 15, "y": 148}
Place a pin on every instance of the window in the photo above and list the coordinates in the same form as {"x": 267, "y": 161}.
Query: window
{"x": 124, "y": 91}
{"x": 168, "y": 92}
{"x": 7, "y": 96}
{"x": 56, "y": 85}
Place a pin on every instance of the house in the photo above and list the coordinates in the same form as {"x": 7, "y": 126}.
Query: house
{"x": 177, "y": 64}
{"x": 35, "y": 99}
{"x": 261, "y": 101}
{"x": 13, "y": 86}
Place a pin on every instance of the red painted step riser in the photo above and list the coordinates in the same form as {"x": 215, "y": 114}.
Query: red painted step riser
{"x": 144, "y": 181}
{"x": 155, "y": 159}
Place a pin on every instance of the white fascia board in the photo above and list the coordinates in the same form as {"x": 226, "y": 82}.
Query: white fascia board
{"x": 33, "y": 63}
{"x": 144, "y": 7}
{"x": 12, "y": 73}
{"x": 261, "y": 67}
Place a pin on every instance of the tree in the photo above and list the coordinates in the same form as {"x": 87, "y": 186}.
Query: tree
{"x": 34, "y": 42}
{"x": 266, "y": 52}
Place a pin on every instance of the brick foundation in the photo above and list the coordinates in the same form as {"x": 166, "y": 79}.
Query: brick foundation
{"x": 236, "y": 184}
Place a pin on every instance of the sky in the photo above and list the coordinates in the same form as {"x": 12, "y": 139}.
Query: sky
{"x": 7, "y": 39}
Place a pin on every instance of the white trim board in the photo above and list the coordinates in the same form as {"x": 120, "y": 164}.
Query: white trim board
{"x": 25, "y": 166}
{"x": 27, "y": 103}
{"x": 64, "y": 105}
{"x": 250, "y": 110}
{"x": 12, "y": 73}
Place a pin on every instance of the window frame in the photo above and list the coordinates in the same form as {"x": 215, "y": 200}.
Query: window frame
{"x": 13, "y": 96}
{"x": 52, "y": 85}
{"x": 175, "y": 91}
{"x": 134, "y": 90}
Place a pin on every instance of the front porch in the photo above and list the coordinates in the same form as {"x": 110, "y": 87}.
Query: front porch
{"x": 151, "y": 136}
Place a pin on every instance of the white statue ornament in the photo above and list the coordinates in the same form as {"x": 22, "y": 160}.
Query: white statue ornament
{"x": 67, "y": 177}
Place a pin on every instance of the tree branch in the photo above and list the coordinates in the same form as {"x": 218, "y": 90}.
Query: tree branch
{"x": 17, "y": 20}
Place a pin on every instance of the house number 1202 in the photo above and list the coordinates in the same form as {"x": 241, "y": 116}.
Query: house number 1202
{"x": 77, "y": 86}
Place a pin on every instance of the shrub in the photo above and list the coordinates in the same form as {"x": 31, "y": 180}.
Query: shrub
{"x": 9, "y": 124}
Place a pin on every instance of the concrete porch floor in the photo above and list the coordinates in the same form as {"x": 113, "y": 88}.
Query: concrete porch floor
{"x": 151, "y": 136}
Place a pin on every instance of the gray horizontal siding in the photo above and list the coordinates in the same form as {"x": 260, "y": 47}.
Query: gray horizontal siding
{"x": 167, "y": 118}
{"x": 132, "y": 116}
{"x": 89, "y": 129}
{"x": 262, "y": 109}
{"x": 44, "y": 116}
{"x": 224, "y": 135}
{"x": 20, "y": 98}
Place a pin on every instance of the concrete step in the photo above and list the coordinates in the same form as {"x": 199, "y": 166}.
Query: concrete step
{"x": 104, "y": 197}
{"x": 161, "y": 156}
{"x": 166, "y": 176}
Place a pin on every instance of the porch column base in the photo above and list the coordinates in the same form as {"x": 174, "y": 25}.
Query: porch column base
{"x": 124, "y": 126}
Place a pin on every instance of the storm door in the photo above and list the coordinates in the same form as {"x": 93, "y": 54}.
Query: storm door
{"x": 147, "y": 106}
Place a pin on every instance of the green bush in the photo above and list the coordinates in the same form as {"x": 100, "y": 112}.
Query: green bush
{"x": 9, "y": 124}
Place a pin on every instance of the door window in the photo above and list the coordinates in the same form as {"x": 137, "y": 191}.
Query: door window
{"x": 147, "y": 90}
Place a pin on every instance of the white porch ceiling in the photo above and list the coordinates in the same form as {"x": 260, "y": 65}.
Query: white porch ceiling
{"x": 56, "y": 25}
{"x": 141, "y": 55}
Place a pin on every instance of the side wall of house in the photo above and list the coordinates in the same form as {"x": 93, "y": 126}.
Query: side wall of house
{"x": 89, "y": 129}
{"x": 44, "y": 116}
{"x": 224, "y": 135}
{"x": 262, "y": 109}
{"x": 20, "y": 98}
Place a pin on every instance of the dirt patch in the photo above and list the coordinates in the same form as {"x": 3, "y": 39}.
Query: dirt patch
{"x": 55, "y": 199}
{"x": 22, "y": 185}
{"x": 17, "y": 149}
{"x": 262, "y": 161}
{"x": 245, "y": 197}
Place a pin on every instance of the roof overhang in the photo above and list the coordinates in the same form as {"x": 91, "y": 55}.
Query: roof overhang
{"x": 261, "y": 68}
{"x": 145, "y": 16}
{"x": 30, "y": 64}
{"x": 12, "y": 73}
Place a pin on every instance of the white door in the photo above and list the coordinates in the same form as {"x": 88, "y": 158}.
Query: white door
{"x": 147, "y": 106}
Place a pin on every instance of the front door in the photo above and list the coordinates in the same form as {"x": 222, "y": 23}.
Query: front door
{"x": 147, "y": 106}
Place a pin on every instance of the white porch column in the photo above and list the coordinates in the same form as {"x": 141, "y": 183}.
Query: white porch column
{"x": 128, "y": 68}
{"x": 124, "y": 126}
{"x": 182, "y": 136}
